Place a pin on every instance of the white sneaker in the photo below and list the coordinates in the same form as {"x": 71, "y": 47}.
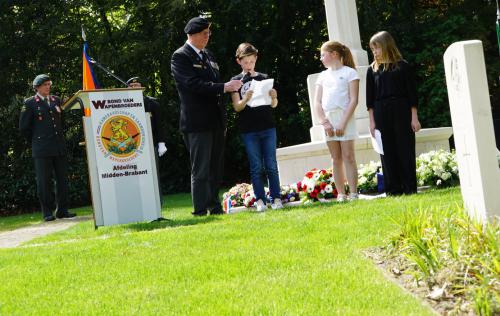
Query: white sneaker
{"x": 277, "y": 204}
{"x": 353, "y": 196}
{"x": 261, "y": 207}
{"x": 341, "y": 197}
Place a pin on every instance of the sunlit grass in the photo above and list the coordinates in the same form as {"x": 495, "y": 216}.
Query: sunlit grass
{"x": 303, "y": 260}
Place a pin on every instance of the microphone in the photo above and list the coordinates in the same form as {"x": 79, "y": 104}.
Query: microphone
{"x": 246, "y": 76}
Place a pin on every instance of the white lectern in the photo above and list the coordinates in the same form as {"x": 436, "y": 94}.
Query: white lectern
{"x": 120, "y": 155}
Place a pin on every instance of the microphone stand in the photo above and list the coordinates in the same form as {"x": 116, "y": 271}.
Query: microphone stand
{"x": 107, "y": 71}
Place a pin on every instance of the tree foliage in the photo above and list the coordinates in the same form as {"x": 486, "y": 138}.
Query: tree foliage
{"x": 138, "y": 37}
{"x": 423, "y": 29}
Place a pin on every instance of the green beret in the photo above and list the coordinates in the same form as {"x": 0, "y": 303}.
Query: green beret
{"x": 40, "y": 79}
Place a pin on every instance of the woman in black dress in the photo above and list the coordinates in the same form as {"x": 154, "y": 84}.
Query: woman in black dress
{"x": 391, "y": 99}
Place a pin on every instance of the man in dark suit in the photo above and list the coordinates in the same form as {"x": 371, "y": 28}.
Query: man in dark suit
{"x": 203, "y": 116}
{"x": 40, "y": 122}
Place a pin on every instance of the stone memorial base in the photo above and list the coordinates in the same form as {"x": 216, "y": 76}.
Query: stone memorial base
{"x": 295, "y": 161}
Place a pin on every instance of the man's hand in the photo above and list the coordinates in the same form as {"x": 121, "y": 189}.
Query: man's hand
{"x": 162, "y": 149}
{"x": 232, "y": 86}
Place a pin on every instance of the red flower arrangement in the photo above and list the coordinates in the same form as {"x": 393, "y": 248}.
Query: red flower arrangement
{"x": 317, "y": 184}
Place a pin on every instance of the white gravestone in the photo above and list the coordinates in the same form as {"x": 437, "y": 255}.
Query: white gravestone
{"x": 473, "y": 129}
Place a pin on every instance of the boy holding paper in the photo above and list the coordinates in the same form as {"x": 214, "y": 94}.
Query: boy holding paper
{"x": 257, "y": 127}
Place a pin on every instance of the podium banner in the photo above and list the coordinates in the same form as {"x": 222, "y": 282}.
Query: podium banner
{"x": 123, "y": 149}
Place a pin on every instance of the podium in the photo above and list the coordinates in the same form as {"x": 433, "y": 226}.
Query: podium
{"x": 120, "y": 155}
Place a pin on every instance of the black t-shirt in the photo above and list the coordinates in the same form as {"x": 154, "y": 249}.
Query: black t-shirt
{"x": 253, "y": 119}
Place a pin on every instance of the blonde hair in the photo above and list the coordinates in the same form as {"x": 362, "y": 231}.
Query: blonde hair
{"x": 390, "y": 52}
{"x": 342, "y": 50}
{"x": 246, "y": 49}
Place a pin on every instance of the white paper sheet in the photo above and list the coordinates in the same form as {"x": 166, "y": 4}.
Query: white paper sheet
{"x": 377, "y": 142}
{"x": 260, "y": 92}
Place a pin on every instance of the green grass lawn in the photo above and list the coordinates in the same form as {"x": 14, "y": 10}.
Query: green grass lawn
{"x": 297, "y": 261}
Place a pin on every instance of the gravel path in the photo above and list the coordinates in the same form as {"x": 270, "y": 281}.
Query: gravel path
{"x": 14, "y": 238}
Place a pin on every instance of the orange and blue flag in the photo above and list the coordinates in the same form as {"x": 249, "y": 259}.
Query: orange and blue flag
{"x": 89, "y": 80}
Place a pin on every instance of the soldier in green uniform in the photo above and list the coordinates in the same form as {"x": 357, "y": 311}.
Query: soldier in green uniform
{"x": 40, "y": 123}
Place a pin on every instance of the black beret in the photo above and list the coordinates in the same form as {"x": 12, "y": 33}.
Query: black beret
{"x": 40, "y": 79}
{"x": 196, "y": 25}
{"x": 133, "y": 80}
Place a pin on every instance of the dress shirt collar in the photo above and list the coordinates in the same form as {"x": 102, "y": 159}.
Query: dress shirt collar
{"x": 47, "y": 98}
{"x": 197, "y": 50}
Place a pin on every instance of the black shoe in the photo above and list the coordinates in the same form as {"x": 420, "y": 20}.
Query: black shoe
{"x": 217, "y": 212}
{"x": 49, "y": 218}
{"x": 65, "y": 214}
{"x": 199, "y": 213}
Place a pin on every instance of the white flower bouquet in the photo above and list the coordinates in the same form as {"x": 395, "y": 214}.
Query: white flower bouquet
{"x": 437, "y": 168}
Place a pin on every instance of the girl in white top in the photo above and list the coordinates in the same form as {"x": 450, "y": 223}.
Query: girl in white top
{"x": 335, "y": 101}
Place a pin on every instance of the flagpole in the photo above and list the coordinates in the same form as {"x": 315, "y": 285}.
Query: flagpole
{"x": 106, "y": 70}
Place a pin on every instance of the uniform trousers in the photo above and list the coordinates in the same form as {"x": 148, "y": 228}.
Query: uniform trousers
{"x": 46, "y": 168}
{"x": 393, "y": 119}
{"x": 206, "y": 152}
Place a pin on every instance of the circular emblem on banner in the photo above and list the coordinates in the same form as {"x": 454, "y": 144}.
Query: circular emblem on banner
{"x": 121, "y": 136}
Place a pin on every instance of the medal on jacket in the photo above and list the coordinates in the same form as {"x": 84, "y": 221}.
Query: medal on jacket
{"x": 39, "y": 113}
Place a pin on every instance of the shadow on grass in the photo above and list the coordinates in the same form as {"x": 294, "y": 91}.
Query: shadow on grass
{"x": 172, "y": 223}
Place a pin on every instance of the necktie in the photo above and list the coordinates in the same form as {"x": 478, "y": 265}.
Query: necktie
{"x": 206, "y": 61}
{"x": 204, "y": 56}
